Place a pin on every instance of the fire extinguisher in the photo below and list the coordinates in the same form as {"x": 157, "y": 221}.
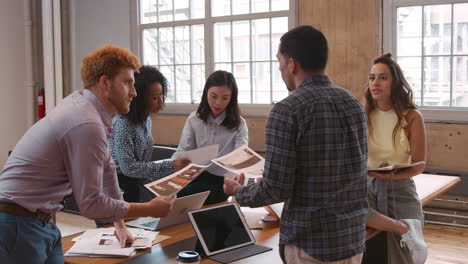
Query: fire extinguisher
{"x": 41, "y": 104}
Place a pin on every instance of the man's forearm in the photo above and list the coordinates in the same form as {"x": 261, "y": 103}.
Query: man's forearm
{"x": 138, "y": 210}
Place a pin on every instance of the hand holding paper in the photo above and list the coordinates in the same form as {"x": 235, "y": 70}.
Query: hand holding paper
{"x": 242, "y": 160}
{"x": 202, "y": 156}
{"x": 231, "y": 184}
{"x": 181, "y": 163}
{"x": 161, "y": 206}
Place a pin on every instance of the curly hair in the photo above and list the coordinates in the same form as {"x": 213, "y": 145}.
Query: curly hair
{"x": 144, "y": 78}
{"x": 107, "y": 60}
{"x": 401, "y": 92}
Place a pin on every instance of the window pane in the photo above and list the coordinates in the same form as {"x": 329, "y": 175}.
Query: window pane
{"x": 242, "y": 75}
{"x": 182, "y": 85}
{"x": 150, "y": 46}
{"x": 261, "y": 83}
{"x": 261, "y": 39}
{"x": 223, "y": 67}
{"x": 279, "y": 5}
{"x": 412, "y": 71}
{"x": 437, "y": 81}
{"x": 460, "y": 36}
{"x": 279, "y": 26}
{"x": 221, "y": 7}
{"x": 181, "y": 10}
{"x": 197, "y": 8}
{"x": 166, "y": 46}
{"x": 260, "y": 6}
{"x": 198, "y": 82}
{"x": 168, "y": 72}
{"x": 247, "y": 48}
{"x": 460, "y": 81}
{"x": 222, "y": 42}
{"x": 409, "y": 35}
{"x": 279, "y": 88}
{"x": 240, "y": 7}
{"x": 148, "y": 11}
{"x": 165, "y": 10}
{"x": 182, "y": 44}
{"x": 241, "y": 40}
{"x": 198, "y": 44}
{"x": 437, "y": 29}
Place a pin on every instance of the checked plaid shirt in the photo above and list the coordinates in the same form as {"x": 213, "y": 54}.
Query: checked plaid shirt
{"x": 316, "y": 162}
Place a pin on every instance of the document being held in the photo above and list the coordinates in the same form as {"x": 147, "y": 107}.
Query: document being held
{"x": 388, "y": 168}
{"x": 242, "y": 160}
{"x": 172, "y": 184}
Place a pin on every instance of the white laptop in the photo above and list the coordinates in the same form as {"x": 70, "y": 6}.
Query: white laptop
{"x": 224, "y": 234}
{"x": 178, "y": 214}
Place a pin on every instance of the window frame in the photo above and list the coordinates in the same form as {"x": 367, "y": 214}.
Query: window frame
{"x": 389, "y": 40}
{"x": 248, "y": 110}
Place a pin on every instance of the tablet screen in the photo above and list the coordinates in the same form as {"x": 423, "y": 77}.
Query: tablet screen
{"x": 221, "y": 228}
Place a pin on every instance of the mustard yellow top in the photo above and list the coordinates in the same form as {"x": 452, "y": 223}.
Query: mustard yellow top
{"x": 380, "y": 145}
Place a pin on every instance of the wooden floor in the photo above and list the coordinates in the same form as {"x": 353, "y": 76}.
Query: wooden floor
{"x": 446, "y": 244}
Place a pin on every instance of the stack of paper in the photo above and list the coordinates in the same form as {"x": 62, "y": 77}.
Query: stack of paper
{"x": 103, "y": 243}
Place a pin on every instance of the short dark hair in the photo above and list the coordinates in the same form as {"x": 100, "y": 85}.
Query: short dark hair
{"x": 307, "y": 45}
{"x": 144, "y": 78}
{"x": 219, "y": 78}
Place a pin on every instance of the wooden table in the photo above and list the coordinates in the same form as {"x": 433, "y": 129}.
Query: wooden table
{"x": 428, "y": 187}
{"x": 182, "y": 238}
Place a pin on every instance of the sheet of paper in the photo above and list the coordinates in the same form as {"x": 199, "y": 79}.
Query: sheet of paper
{"x": 175, "y": 182}
{"x": 102, "y": 244}
{"x": 160, "y": 238}
{"x": 136, "y": 232}
{"x": 202, "y": 156}
{"x": 242, "y": 160}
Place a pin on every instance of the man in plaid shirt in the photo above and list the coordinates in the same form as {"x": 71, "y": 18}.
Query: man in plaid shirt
{"x": 316, "y": 159}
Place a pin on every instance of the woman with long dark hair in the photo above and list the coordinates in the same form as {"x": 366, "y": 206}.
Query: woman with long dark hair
{"x": 396, "y": 135}
{"x": 217, "y": 121}
{"x": 131, "y": 143}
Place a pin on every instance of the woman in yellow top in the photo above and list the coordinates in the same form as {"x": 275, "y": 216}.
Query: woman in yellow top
{"x": 396, "y": 135}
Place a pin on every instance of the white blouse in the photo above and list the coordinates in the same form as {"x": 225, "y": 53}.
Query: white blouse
{"x": 197, "y": 134}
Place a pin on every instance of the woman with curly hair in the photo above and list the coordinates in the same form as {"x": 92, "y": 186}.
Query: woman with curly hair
{"x": 131, "y": 143}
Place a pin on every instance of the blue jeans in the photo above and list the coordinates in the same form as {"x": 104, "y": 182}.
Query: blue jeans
{"x": 24, "y": 239}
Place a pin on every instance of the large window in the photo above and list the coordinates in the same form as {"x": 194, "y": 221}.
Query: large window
{"x": 189, "y": 39}
{"x": 430, "y": 41}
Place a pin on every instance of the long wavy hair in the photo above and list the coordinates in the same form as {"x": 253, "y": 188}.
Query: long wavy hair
{"x": 401, "y": 93}
{"x": 219, "y": 78}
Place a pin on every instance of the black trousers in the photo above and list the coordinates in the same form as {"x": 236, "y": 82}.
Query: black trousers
{"x": 134, "y": 189}
{"x": 206, "y": 182}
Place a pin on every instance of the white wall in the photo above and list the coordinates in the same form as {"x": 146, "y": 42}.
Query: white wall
{"x": 94, "y": 23}
{"x": 13, "y": 116}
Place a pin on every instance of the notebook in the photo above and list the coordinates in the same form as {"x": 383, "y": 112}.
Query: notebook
{"x": 177, "y": 215}
{"x": 224, "y": 234}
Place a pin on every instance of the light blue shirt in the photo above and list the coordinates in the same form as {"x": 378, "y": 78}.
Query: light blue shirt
{"x": 197, "y": 134}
